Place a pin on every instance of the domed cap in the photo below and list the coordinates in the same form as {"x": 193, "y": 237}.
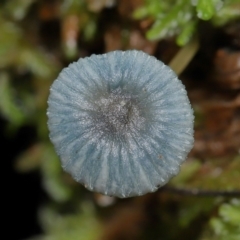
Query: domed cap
{"x": 121, "y": 122}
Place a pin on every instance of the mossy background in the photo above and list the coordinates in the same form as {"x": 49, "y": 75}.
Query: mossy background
{"x": 39, "y": 38}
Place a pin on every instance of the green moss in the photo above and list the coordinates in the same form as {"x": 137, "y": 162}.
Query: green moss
{"x": 181, "y": 17}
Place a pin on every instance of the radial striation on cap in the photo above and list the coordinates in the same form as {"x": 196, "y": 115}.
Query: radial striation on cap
{"x": 120, "y": 122}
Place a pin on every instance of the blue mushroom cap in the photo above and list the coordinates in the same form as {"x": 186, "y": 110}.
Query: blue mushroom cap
{"x": 121, "y": 122}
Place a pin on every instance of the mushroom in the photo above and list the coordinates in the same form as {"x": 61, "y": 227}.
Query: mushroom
{"x": 121, "y": 122}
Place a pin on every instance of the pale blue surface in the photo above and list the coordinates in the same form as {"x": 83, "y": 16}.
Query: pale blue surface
{"x": 121, "y": 122}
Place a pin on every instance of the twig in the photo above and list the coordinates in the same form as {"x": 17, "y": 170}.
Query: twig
{"x": 203, "y": 193}
{"x": 184, "y": 56}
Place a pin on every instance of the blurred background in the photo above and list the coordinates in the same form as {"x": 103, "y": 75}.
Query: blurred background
{"x": 199, "y": 39}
